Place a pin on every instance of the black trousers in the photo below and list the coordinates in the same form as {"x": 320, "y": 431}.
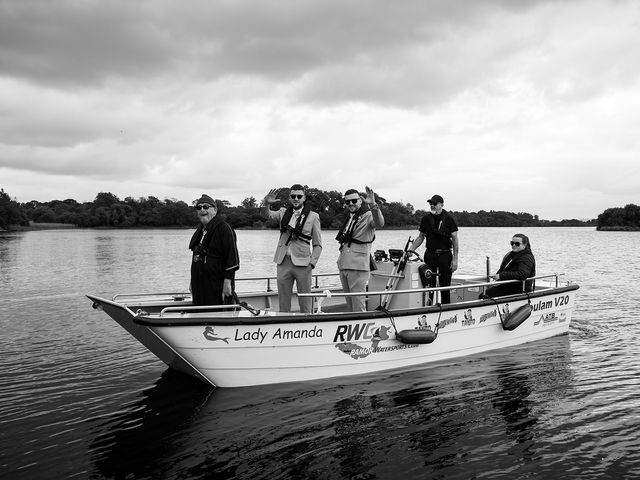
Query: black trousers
{"x": 440, "y": 263}
{"x": 206, "y": 286}
{"x": 505, "y": 289}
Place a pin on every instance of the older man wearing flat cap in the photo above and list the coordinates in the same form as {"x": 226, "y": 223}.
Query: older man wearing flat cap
{"x": 440, "y": 231}
{"x": 215, "y": 256}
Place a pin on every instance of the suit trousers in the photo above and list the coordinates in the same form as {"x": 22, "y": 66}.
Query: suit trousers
{"x": 354, "y": 281}
{"x": 287, "y": 273}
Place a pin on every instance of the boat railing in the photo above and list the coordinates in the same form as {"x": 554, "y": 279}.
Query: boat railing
{"x": 327, "y": 293}
{"x": 315, "y": 277}
{"x": 182, "y": 295}
{"x": 394, "y": 275}
{"x": 179, "y": 296}
{"x": 203, "y": 308}
{"x": 175, "y": 295}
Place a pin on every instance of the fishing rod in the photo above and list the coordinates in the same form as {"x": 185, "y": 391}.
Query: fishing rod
{"x": 396, "y": 273}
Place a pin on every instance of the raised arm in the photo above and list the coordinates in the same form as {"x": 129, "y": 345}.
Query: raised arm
{"x": 370, "y": 199}
{"x": 269, "y": 199}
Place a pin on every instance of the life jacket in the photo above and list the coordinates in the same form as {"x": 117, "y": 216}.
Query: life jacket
{"x": 295, "y": 233}
{"x": 346, "y": 236}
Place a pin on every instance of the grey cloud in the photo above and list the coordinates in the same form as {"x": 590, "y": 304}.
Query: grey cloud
{"x": 78, "y": 164}
{"x": 413, "y": 54}
{"x": 81, "y": 43}
{"x": 85, "y": 43}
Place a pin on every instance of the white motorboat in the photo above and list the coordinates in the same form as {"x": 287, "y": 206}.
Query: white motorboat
{"x": 250, "y": 343}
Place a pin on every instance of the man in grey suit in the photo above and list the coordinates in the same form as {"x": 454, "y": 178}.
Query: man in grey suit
{"x": 355, "y": 237}
{"x": 299, "y": 246}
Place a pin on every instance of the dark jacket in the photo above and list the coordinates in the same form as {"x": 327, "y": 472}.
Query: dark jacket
{"x": 519, "y": 266}
{"x": 218, "y": 252}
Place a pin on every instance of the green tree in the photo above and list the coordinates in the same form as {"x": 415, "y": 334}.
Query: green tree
{"x": 105, "y": 199}
{"x": 108, "y": 210}
{"x": 626, "y": 218}
{"x": 11, "y": 213}
{"x": 249, "y": 202}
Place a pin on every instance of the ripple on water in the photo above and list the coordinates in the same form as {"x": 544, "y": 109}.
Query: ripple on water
{"x": 79, "y": 397}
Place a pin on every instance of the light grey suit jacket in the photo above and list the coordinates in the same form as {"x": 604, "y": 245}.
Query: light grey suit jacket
{"x": 356, "y": 256}
{"x": 302, "y": 254}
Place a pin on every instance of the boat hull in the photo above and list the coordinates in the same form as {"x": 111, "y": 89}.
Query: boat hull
{"x": 235, "y": 349}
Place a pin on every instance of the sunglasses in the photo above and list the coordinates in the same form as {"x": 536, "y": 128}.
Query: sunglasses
{"x": 351, "y": 202}
{"x": 515, "y": 244}
{"x": 203, "y": 207}
{"x": 296, "y": 197}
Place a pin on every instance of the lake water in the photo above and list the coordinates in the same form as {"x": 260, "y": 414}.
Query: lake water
{"x": 79, "y": 398}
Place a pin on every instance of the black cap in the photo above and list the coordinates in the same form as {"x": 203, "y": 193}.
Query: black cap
{"x": 436, "y": 199}
{"x": 206, "y": 199}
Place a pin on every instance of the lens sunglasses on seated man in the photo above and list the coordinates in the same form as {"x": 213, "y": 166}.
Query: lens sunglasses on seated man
{"x": 203, "y": 207}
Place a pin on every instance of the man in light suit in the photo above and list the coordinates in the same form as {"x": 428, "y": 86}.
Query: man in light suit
{"x": 299, "y": 246}
{"x": 355, "y": 237}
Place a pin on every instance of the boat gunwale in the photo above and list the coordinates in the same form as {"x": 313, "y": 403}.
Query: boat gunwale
{"x": 326, "y": 317}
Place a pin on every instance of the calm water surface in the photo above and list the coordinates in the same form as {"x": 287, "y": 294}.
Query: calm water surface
{"x": 79, "y": 398}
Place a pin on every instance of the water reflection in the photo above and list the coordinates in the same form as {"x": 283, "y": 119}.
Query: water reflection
{"x": 482, "y": 414}
{"x": 513, "y": 403}
{"x": 353, "y": 430}
{"x": 566, "y": 404}
{"x": 7, "y": 253}
{"x": 6, "y": 238}
{"x": 526, "y": 384}
{"x": 130, "y": 445}
{"x": 493, "y": 404}
{"x": 415, "y": 427}
{"x": 105, "y": 253}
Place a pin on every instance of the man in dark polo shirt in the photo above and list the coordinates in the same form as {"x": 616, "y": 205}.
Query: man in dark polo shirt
{"x": 440, "y": 231}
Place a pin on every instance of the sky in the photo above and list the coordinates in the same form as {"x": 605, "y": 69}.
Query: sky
{"x": 517, "y": 105}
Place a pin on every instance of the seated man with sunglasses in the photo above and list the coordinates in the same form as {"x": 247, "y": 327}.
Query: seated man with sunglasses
{"x": 215, "y": 257}
{"x": 355, "y": 237}
{"x": 299, "y": 246}
{"x": 518, "y": 264}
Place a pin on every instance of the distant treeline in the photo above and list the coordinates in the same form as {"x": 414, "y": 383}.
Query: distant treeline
{"x": 107, "y": 210}
{"x": 620, "y": 218}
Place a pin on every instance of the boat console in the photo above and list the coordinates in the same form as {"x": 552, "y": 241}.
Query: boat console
{"x": 383, "y": 279}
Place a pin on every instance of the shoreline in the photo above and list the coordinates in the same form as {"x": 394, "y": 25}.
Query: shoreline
{"x": 620, "y": 228}
{"x": 66, "y": 226}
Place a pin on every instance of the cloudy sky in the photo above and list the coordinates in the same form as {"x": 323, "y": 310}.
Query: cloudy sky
{"x": 518, "y": 105}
